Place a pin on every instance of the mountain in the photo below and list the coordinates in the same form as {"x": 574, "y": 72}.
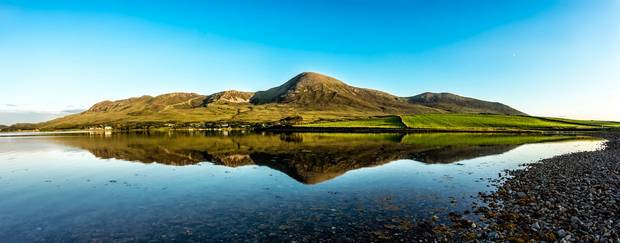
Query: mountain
{"x": 309, "y": 96}
{"x": 459, "y": 104}
{"x": 152, "y": 104}
{"x": 314, "y": 90}
{"x": 230, "y": 96}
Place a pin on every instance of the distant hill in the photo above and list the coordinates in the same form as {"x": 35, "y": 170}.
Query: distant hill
{"x": 459, "y": 104}
{"x": 21, "y": 126}
{"x": 308, "y": 96}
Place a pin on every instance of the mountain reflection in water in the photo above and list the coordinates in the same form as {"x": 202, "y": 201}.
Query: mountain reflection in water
{"x": 309, "y": 158}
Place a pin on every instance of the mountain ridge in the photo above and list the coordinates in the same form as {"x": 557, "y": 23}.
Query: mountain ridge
{"x": 155, "y": 103}
{"x": 455, "y": 103}
{"x": 309, "y": 95}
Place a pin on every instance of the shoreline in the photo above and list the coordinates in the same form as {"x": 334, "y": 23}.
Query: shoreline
{"x": 568, "y": 198}
{"x": 41, "y": 133}
{"x": 311, "y": 130}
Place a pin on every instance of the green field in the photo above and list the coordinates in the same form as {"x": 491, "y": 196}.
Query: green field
{"x": 482, "y": 122}
{"x": 377, "y": 122}
{"x": 584, "y": 122}
{"x": 480, "y": 139}
{"x": 468, "y": 122}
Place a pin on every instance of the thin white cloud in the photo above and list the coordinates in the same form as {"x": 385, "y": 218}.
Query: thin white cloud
{"x": 72, "y": 111}
{"x": 8, "y": 117}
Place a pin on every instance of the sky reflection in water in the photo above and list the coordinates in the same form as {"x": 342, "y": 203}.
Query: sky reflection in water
{"x": 248, "y": 186}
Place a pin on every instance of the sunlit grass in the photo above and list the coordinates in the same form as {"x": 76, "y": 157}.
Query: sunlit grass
{"x": 611, "y": 124}
{"x": 480, "y": 139}
{"x": 379, "y": 122}
{"x": 465, "y": 122}
{"x": 486, "y": 122}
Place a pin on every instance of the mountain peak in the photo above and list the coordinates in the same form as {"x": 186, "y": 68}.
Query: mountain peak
{"x": 316, "y": 91}
{"x": 314, "y": 78}
{"x": 301, "y": 85}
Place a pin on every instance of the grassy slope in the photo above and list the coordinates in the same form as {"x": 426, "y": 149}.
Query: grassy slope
{"x": 378, "y": 122}
{"x": 483, "y": 122}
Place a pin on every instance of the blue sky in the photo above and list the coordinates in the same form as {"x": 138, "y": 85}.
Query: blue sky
{"x": 550, "y": 58}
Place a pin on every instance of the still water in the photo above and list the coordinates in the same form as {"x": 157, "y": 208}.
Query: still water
{"x": 247, "y": 186}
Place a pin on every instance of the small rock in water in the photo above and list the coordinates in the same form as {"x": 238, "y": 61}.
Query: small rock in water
{"x": 561, "y": 233}
{"x": 536, "y": 226}
{"x": 575, "y": 220}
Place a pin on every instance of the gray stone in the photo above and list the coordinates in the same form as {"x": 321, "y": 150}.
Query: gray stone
{"x": 561, "y": 233}
{"x": 536, "y": 226}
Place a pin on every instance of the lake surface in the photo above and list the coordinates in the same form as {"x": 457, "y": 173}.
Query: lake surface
{"x": 248, "y": 186}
